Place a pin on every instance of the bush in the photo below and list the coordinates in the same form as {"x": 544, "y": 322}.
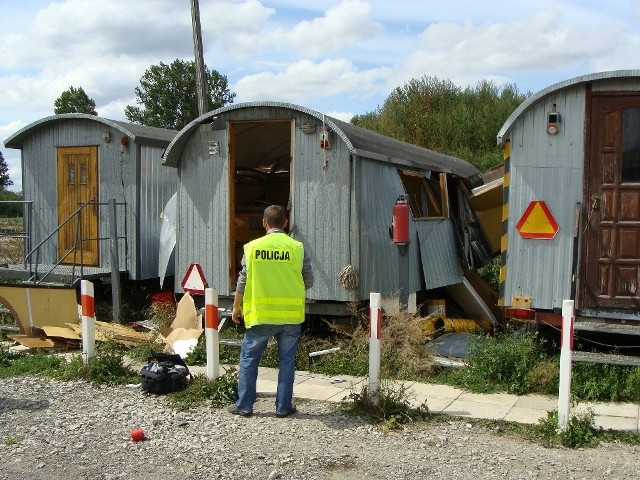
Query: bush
{"x": 580, "y": 432}
{"x": 502, "y": 363}
{"x": 605, "y": 382}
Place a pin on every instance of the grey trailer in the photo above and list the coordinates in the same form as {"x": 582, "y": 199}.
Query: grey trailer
{"x": 339, "y": 184}
{"x": 571, "y": 207}
{"x": 72, "y": 165}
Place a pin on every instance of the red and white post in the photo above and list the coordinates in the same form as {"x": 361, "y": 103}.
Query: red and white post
{"x": 566, "y": 352}
{"x": 88, "y": 320}
{"x": 211, "y": 333}
{"x": 375, "y": 327}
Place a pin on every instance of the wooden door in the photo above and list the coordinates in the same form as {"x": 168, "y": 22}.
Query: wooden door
{"x": 77, "y": 184}
{"x": 611, "y": 268}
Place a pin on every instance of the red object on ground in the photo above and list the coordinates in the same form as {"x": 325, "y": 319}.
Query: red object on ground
{"x": 137, "y": 434}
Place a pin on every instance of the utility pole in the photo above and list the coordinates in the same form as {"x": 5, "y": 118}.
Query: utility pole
{"x": 201, "y": 82}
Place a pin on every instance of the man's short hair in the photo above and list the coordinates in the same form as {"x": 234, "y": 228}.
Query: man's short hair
{"x": 275, "y": 216}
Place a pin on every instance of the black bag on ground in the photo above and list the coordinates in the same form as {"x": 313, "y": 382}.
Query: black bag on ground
{"x": 164, "y": 373}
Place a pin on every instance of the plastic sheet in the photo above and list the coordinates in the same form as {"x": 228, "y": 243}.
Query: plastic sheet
{"x": 167, "y": 237}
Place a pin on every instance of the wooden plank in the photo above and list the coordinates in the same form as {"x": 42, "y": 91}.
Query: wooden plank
{"x": 605, "y": 358}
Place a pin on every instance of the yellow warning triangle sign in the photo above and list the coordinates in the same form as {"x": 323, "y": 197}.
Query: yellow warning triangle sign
{"x": 537, "y": 222}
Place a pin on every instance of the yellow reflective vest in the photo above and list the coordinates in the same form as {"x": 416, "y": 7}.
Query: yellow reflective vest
{"x": 274, "y": 292}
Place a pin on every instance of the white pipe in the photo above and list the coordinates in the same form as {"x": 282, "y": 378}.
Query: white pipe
{"x": 564, "y": 392}
{"x": 375, "y": 319}
{"x": 211, "y": 333}
{"x": 324, "y": 352}
{"x": 88, "y": 320}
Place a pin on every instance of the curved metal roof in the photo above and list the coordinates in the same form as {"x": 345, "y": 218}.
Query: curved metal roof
{"x": 529, "y": 102}
{"x": 359, "y": 141}
{"x": 138, "y": 133}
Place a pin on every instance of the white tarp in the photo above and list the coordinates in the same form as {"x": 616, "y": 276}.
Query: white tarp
{"x": 167, "y": 237}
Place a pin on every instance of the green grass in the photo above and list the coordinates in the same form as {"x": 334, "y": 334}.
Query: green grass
{"x": 390, "y": 406}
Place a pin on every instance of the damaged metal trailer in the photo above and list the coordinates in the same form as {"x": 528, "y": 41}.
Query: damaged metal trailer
{"x": 571, "y": 209}
{"x": 339, "y": 184}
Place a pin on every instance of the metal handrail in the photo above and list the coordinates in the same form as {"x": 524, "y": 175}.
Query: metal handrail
{"x": 33, "y": 275}
{"x": 77, "y": 247}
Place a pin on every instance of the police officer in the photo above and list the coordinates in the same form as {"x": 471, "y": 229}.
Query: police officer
{"x": 270, "y": 296}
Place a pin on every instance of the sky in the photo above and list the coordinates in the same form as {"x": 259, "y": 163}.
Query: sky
{"x": 339, "y": 57}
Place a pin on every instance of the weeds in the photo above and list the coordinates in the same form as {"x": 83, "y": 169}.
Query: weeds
{"x": 390, "y": 406}
{"x": 217, "y": 393}
{"x": 501, "y": 363}
{"x": 580, "y": 432}
{"x": 8, "y": 441}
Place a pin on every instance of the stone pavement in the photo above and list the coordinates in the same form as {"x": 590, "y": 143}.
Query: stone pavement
{"x": 444, "y": 399}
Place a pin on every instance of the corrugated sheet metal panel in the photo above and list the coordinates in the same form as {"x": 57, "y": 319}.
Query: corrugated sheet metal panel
{"x": 624, "y": 79}
{"x": 203, "y": 217}
{"x": 380, "y": 187}
{"x": 323, "y": 214}
{"x": 157, "y": 185}
{"x": 550, "y": 168}
{"x": 355, "y": 138}
{"x": 396, "y": 150}
{"x": 141, "y": 134}
{"x": 39, "y": 161}
{"x": 439, "y": 253}
{"x": 118, "y": 178}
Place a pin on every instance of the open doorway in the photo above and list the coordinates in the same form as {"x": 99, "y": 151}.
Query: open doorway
{"x": 260, "y": 159}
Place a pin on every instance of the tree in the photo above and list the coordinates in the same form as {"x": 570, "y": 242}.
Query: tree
{"x": 168, "y": 97}
{"x": 74, "y": 100}
{"x": 441, "y": 116}
{"x": 5, "y": 180}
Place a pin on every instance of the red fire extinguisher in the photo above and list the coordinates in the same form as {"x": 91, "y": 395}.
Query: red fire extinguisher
{"x": 400, "y": 224}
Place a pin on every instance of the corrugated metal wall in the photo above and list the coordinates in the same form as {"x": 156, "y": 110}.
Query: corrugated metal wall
{"x": 203, "y": 210}
{"x": 321, "y": 198}
{"x": 439, "y": 253}
{"x": 342, "y": 210}
{"x": 380, "y": 187}
{"x": 39, "y": 186}
{"x": 323, "y": 212}
{"x": 119, "y": 178}
{"x": 550, "y": 168}
{"x": 157, "y": 185}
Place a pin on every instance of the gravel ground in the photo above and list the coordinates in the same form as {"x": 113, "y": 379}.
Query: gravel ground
{"x": 73, "y": 431}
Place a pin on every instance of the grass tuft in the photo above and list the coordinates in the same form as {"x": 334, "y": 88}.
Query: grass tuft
{"x": 390, "y": 406}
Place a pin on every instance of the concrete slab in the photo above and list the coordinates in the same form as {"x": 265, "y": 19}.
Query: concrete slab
{"x": 616, "y": 423}
{"x": 444, "y": 399}
{"x": 609, "y": 409}
{"x": 434, "y": 404}
{"x": 530, "y": 416}
{"x": 431, "y": 390}
{"x": 542, "y": 402}
{"x": 267, "y": 387}
{"x": 477, "y": 409}
{"x": 503, "y": 399}
{"x": 317, "y": 392}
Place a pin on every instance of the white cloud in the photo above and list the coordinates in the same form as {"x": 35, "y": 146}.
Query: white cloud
{"x": 307, "y": 83}
{"x": 336, "y": 56}
{"x": 346, "y": 24}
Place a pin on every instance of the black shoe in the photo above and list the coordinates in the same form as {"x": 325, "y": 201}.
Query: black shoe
{"x": 236, "y": 411}
{"x": 290, "y": 412}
